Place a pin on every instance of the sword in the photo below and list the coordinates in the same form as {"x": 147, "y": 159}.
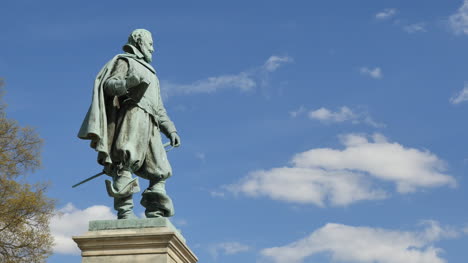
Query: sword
{"x": 101, "y": 173}
{"x": 89, "y": 179}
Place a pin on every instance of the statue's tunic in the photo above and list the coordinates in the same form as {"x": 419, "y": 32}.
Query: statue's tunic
{"x": 137, "y": 145}
{"x": 125, "y": 128}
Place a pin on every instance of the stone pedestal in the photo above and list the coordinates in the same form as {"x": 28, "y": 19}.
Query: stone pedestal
{"x": 153, "y": 240}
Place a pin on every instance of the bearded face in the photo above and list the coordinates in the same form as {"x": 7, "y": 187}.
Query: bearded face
{"x": 146, "y": 47}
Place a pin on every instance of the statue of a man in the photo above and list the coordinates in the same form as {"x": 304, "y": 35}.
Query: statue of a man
{"x": 124, "y": 124}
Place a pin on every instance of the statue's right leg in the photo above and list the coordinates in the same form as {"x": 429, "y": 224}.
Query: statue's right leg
{"x": 122, "y": 188}
{"x": 128, "y": 151}
{"x": 123, "y": 203}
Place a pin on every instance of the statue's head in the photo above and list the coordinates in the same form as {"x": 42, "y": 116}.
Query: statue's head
{"x": 141, "y": 39}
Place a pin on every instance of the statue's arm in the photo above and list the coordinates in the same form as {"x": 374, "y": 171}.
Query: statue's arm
{"x": 116, "y": 84}
{"x": 120, "y": 80}
{"x": 165, "y": 123}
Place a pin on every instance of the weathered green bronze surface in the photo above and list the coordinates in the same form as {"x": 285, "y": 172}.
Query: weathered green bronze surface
{"x": 125, "y": 122}
{"x": 99, "y": 225}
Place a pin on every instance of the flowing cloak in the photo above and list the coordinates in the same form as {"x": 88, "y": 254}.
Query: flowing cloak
{"x": 100, "y": 121}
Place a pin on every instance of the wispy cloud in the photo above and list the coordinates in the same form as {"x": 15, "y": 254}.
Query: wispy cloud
{"x": 459, "y": 21}
{"x": 295, "y": 113}
{"x": 274, "y": 62}
{"x": 344, "y": 114}
{"x": 71, "y": 221}
{"x": 200, "y": 156}
{"x": 341, "y": 177}
{"x": 217, "y": 194}
{"x": 362, "y": 244}
{"x": 462, "y": 96}
{"x": 323, "y": 114}
{"x": 227, "y": 248}
{"x": 390, "y": 14}
{"x": 244, "y": 81}
{"x": 415, "y": 28}
{"x": 179, "y": 222}
{"x": 386, "y": 13}
{"x": 375, "y": 73}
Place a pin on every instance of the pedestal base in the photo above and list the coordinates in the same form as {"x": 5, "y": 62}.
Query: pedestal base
{"x": 153, "y": 240}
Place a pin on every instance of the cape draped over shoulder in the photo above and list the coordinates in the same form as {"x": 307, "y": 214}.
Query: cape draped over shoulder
{"x": 100, "y": 121}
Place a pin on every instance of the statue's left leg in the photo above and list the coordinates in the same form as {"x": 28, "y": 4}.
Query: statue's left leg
{"x": 156, "y": 201}
{"x": 156, "y": 169}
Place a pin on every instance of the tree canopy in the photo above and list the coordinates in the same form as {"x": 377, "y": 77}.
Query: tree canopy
{"x": 25, "y": 210}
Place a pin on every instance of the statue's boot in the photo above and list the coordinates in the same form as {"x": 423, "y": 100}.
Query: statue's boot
{"x": 122, "y": 189}
{"x": 156, "y": 201}
{"x": 124, "y": 207}
{"x": 122, "y": 186}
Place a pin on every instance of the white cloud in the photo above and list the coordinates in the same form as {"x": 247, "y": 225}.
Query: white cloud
{"x": 341, "y": 177}
{"x": 228, "y": 248}
{"x": 386, "y": 14}
{"x": 459, "y": 21}
{"x": 365, "y": 245}
{"x": 274, "y": 62}
{"x": 462, "y": 96}
{"x": 244, "y": 81}
{"x": 295, "y": 113}
{"x": 70, "y": 221}
{"x": 308, "y": 186}
{"x": 323, "y": 114}
{"x": 375, "y": 73}
{"x": 344, "y": 114}
{"x": 408, "y": 168}
{"x": 415, "y": 28}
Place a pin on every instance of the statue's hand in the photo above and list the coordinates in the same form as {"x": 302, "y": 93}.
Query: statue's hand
{"x": 175, "y": 139}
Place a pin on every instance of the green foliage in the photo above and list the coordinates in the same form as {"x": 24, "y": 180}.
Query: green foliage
{"x": 24, "y": 209}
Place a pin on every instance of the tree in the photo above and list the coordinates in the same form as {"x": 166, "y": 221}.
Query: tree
{"x": 24, "y": 209}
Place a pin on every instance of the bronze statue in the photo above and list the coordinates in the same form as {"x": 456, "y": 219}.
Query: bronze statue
{"x": 124, "y": 124}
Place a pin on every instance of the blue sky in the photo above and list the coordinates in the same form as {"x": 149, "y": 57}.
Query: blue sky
{"x": 312, "y": 131}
